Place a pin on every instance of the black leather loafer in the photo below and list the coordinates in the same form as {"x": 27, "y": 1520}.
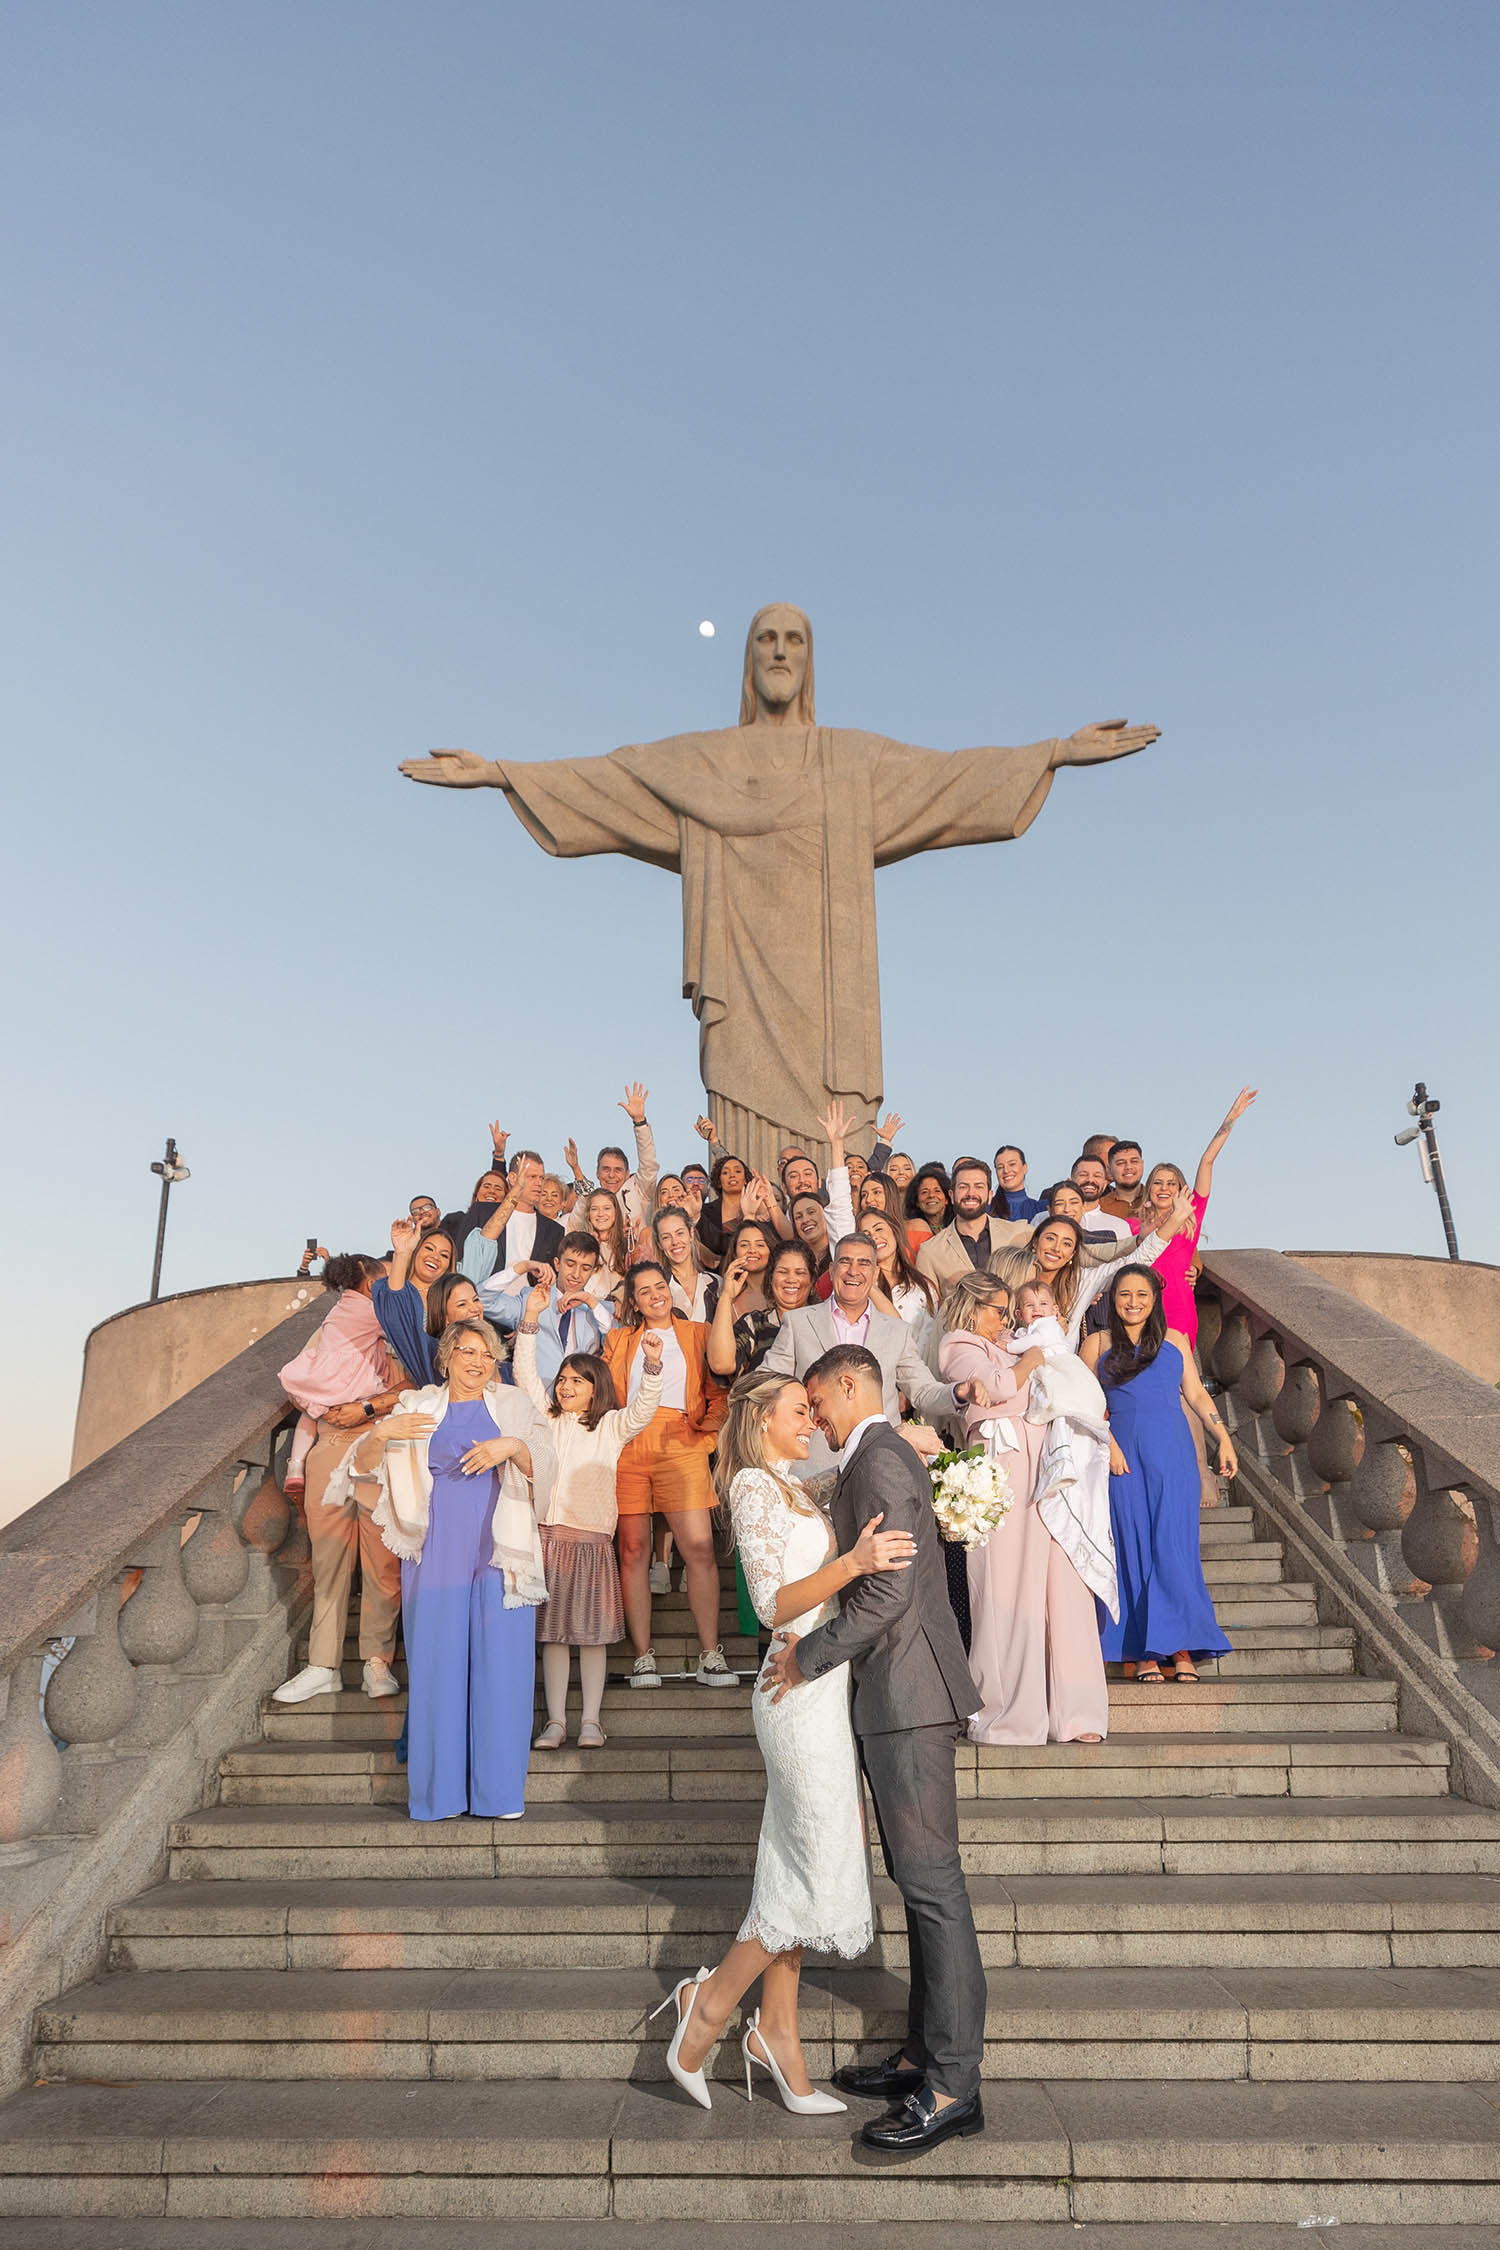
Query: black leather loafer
{"x": 918, "y": 2123}
{"x": 888, "y": 2081}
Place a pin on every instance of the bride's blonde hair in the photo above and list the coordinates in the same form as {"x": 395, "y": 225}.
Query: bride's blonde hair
{"x": 742, "y": 1441}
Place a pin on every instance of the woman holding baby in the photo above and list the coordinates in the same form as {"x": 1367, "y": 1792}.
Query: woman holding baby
{"x": 1035, "y": 1652}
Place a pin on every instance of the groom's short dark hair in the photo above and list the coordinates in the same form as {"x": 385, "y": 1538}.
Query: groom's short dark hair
{"x": 846, "y": 1359}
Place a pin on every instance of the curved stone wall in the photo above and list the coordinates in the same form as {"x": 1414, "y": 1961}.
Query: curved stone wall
{"x": 1453, "y": 1307}
{"x": 149, "y": 1356}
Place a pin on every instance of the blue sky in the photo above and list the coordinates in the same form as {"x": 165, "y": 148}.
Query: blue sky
{"x": 378, "y": 378}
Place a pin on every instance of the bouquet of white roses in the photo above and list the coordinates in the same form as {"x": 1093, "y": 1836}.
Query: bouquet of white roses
{"x": 971, "y": 1495}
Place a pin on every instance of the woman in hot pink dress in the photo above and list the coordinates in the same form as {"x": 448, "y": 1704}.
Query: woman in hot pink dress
{"x": 1164, "y": 1184}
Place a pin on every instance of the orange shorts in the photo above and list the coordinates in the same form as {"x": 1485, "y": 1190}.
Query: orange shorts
{"x": 665, "y": 1470}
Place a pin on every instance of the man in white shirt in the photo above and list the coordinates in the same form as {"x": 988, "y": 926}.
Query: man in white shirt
{"x": 849, "y": 1318}
{"x": 1090, "y": 1176}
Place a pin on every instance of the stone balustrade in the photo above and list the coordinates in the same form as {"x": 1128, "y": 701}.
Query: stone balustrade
{"x": 1380, "y": 1459}
{"x": 179, "y": 1575}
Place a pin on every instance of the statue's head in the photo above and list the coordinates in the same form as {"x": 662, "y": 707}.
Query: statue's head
{"x": 778, "y": 666}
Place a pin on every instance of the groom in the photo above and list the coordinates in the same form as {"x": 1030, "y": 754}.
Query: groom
{"x": 912, "y": 1694}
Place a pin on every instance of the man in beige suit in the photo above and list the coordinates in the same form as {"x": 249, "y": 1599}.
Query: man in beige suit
{"x": 849, "y": 1318}
{"x": 971, "y": 1237}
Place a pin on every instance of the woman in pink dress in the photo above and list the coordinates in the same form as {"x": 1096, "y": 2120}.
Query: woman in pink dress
{"x": 1034, "y": 1651}
{"x": 1164, "y": 1184}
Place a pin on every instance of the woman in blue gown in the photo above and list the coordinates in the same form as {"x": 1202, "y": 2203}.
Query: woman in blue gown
{"x": 463, "y": 1465}
{"x": 1148, "y": 1374}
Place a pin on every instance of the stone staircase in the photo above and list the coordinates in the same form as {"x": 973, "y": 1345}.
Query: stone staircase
{"x": 1244, "y": 1971}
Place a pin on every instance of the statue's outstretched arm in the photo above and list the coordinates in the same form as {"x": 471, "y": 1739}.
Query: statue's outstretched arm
{"x": 572, "y": 807}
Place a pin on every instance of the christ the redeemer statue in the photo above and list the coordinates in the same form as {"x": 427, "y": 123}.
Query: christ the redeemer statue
{"x": 776, "y": 827}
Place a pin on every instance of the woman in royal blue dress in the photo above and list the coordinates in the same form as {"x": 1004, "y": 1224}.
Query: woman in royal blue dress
{"x": 464, "y": 1465}
{"x": 1148, "y": 1375}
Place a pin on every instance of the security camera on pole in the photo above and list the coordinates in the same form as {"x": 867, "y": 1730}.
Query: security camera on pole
{"x": 169, "y": 1171}
{"x": 1424, "y": 1108}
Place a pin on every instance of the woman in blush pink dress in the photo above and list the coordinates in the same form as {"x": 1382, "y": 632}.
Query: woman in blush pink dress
{"x": 1034, "y": 1651}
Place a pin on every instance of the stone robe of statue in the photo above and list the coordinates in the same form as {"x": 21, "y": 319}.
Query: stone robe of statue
{"x": 776, "y": 828}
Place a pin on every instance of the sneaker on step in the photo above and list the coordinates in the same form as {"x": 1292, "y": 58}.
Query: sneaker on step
{"x": 378, "y": 1678}
{"x": 643, "y": 1672}
{"x": 313, "y": 1679}
{"x": 661, "y": 1578}
{"x": 713, "y": 1671}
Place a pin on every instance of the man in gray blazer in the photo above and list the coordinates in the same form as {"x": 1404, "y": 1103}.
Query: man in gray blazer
{"x": 912, "y": 1694}
{"x": 849, "y": 1318}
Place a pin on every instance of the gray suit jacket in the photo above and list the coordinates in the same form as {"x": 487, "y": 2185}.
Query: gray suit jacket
{"x": 806, "y": 1334}
{"x": 896, "y": 1629}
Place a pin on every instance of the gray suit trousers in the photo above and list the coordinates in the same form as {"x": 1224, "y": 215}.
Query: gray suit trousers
{"x": 916, "y": 1809}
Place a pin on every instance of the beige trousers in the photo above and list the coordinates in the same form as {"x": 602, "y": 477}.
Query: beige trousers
{"x": 337, "y": 1536}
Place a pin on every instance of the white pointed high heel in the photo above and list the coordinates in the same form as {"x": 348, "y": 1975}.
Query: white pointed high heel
{"x": 801, "y": 2105}
{"x": 691, "y": 2081}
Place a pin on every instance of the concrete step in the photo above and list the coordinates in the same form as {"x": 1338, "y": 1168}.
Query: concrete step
{"x": 1053, "y": 2157}
{"x": 1279, "y": 2024}
{"x": 1219, "y": 1705}
{"x": 1000, "y": 1836}
{"x": 656, "y": 2234}
{"x": 1079, "y": 1922}
{"x": 661, "y": 1768}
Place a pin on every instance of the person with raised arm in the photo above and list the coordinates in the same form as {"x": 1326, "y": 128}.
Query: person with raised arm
{"x": 635, "y": 1189}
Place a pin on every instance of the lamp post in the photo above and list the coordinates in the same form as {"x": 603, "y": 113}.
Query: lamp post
{"x": 169, "y": 1171}
{"x": 1424, "y": 1108}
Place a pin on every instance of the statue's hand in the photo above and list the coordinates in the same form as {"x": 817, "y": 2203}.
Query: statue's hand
{"x": 1091, "y": 746}
{"x": 453, "y": 769}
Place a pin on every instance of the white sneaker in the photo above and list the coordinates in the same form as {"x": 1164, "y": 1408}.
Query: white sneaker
{"x": 643, "y": 1672}
{"x": 713, "y": 1671}
{"x": 661, "y": 1578}
{"x": 378, "y": 1678}
{"x": 313, "y": 1679}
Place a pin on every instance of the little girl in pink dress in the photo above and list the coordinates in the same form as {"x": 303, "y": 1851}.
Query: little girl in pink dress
{"x": 346, "y": 1359}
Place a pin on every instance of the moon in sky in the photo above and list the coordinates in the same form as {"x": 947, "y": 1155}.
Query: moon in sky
{"x": 707, "y": 629}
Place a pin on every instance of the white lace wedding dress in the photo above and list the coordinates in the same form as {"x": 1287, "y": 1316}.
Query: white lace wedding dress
{"x": 812, "y": 1874}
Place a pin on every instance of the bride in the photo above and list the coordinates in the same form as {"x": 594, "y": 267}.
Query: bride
{"x": 812, "y": 1880}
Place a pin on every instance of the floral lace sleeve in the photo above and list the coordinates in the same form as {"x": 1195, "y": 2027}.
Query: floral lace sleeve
{"x": 762, "y": 1526}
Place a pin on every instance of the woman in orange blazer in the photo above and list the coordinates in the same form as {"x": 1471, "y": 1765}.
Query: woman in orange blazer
{"x": 665, "y": 1470}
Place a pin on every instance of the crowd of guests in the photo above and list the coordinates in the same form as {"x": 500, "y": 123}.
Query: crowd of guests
{"x": 509, "y": 1420}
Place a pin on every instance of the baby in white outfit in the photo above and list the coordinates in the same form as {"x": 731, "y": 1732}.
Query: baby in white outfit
{"x": 1038, "y": 1324}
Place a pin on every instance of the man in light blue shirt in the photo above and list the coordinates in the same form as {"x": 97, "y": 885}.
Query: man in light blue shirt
{"x": 572, "y": 1321}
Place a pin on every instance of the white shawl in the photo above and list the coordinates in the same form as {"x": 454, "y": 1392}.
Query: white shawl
{"x": 405, "y": 1482}
{"x": 1072, "y": 1481}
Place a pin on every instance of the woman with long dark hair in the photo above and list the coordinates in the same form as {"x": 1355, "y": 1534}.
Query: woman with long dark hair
{"x": 928, "y": 1205}
{"x": 1148, "y": 1376}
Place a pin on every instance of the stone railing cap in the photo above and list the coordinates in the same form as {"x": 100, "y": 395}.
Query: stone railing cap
{"x": 62, "y": 1550}
{"x": 1451, "y": 1413}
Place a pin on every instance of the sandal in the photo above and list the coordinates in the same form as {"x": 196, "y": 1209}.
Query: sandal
{"x": 552, "y": 1737}
{"x": 591, "y": 1736}
{"x": 1150, "y": 1673}
{"x": 1185, "y": 1675}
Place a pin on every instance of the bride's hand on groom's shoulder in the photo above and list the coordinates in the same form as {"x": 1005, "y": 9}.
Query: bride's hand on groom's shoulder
{"x": 781, "y": 1672}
